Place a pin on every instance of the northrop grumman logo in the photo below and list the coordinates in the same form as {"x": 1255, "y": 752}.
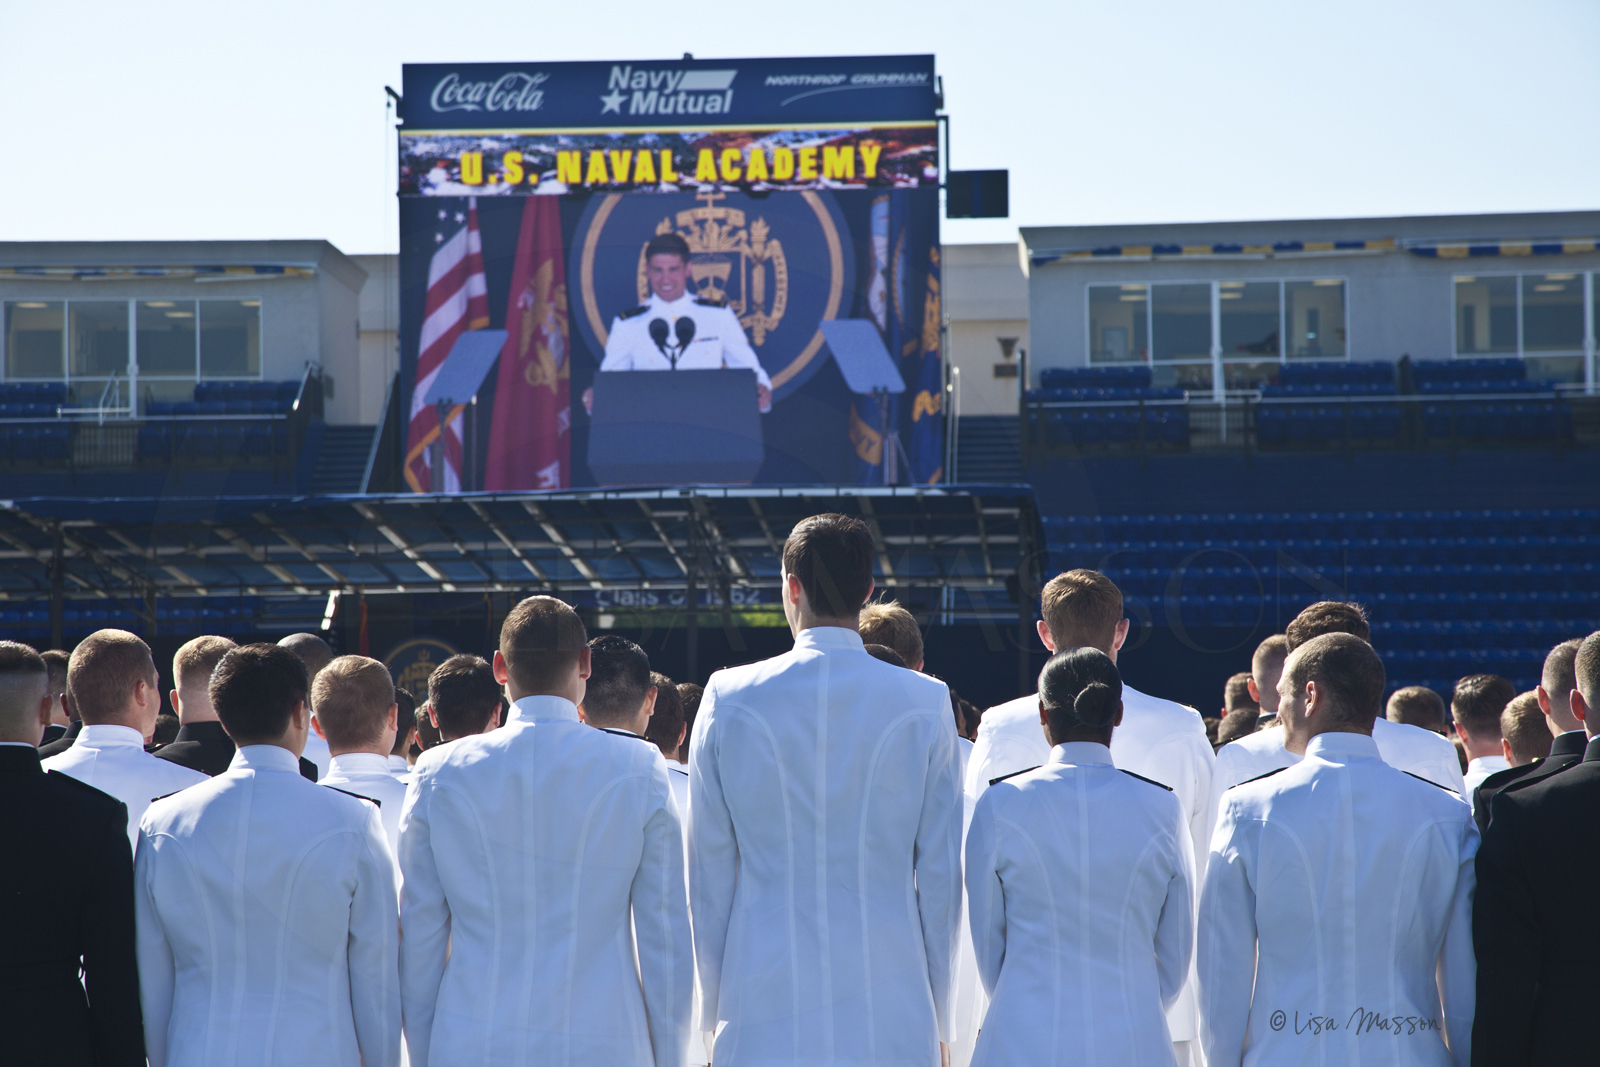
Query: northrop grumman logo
{"x": 516, "y": 91}
{"x": 668, "y": 92}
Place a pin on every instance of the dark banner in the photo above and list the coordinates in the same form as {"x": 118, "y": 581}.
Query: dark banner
{"x": 717, "y": 252}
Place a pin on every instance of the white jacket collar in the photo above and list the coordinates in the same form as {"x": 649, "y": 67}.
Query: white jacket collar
{"x": 829, "y": 637}
{"x": 354, "y": 763}
{"x": 108, "y": 736}
{"x": 679, "y": 306}
{"x": 265, "y": 758}
{"x": 1341, "y": 747}
{"x": 543, "y": 709}
{"x": 1081, "y": 752}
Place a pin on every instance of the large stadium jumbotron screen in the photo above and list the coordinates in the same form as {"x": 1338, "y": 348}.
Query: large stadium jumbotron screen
{"x": 628, "y": 273}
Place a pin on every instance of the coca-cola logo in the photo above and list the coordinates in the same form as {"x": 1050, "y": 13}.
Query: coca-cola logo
{"x": 516, "y": 91}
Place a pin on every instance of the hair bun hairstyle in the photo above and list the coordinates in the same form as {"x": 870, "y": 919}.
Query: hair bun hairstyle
{"x": 1095, "y": 705}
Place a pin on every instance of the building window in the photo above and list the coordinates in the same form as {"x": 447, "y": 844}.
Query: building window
{"x": 1180, "y": 318}
{"x": 1486, "y": 315}
{"x": 1313, "y": 315}
{"x": 1251, "y": 321}
{"x": 166, "y": 338}
{"x": 35, "y": 339}
{"x": 230, "y": 338}
{"x": 1552, "y": 312}
{"x": 1119, "y": 323}
{"x": 99, "y": 345}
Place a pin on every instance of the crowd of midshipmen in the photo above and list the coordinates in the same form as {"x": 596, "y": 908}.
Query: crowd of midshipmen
{"x": 564, "y": 858}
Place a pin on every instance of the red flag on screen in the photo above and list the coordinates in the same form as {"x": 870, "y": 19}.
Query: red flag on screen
{"x": 530, "y": 437}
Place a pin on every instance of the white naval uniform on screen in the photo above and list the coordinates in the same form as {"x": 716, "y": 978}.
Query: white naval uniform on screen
{"x": 1159, "y": 739}
{"x": 825, "y": 867}
{"x": 367, "y": 774}
{"x": 1407, "y": 748}
{"x": 719, "y": 340}
{"x": 526, "y": 851}
{"x": 267, "y": 926}
{"x": 1080, "y": 891}
{"x": 113, "y": 760}
{"x": 1337, "y": 907}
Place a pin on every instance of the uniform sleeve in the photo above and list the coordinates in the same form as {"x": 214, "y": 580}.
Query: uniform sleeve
{"x": 1002, "y": 749}
{"x": 157, "y": 973}
{"x": 938, "y": 863}
{"x": 1457, "y": 964}
{"x": 619, "y": 355}
{"x": 1175, "y": 929}
{"x": 1226, "y": 943}
{"x": 110, "y": 954}
{"x": 713, "y": 857}
{"x": 374, "y": 949}
{"x": 1184, "y": 764}
{"x": 986, "y": 903}
{"x": 661, "y": 928}
{"x": 424, "y": 922}
{"x": 1506, "y": 936}
{"x": 736, "y": 350}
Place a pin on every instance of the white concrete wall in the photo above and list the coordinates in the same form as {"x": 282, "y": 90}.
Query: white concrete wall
{"x": 986, "y": 299}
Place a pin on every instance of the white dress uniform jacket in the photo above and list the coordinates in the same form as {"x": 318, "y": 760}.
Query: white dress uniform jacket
{"x": 719, "y": 340}
{"x": 825, "y": 866}
{"x": 1340, "y": 889}
{"x": 398, "y": 766}
{"x": 1408, "y": 748}
{"x": 113, "y": 760}
{"x": 525, "y": 852}
{"x": 267, "y": 925}
{"x": 1080, "y": 895}
{"x": 367, "y": 774}
{"x": 1159, "y": 739}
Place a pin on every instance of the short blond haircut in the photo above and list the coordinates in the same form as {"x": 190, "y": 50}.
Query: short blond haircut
{"x": 193, "y": 663}
{"x": 886, "y": 622}
{"x": 1525, "y": 729}
{"x": 103, "y": 672}
{"x": 1081, "y": 609}
{"x": 352, "y": 696}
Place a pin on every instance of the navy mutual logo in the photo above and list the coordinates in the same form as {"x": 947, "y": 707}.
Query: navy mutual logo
{"x": 667, "y": 92}
{"x": 782, "y": 264}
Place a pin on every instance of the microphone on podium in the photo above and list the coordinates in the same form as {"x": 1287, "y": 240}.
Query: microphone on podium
{"x": 659, "y": 334}
{"x": 684, "y": 328}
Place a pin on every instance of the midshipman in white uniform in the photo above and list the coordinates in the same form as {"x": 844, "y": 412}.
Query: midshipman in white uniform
{"x": 267, "y": 926}
{"x": 825, "y": 835}
{"x": 357, "y": 716}
{"x": 1336, "y": 915}
{"x": 541, "y": 861}
{"x": 1079, "y": 890}
{"x": 115, "y": 688}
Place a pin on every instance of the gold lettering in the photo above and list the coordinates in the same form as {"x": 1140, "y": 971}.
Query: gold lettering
{"x": 730, "y": 165}
{"x": 569, "y": 165}
{"x": 782, "y": 164}
{"x": 511, "y": 164}
{"x": 705, "y": 168}
{"x": 619, "y": 163}
{"x": 870, "y": 151}
{"x": 838, "y": 162}
{"x": 756, "y": 169}
{"x": 644, "y": 168}
{"x": 597, "y": 168}
{"x": 808, "y": 164}
{"x": 472, "y": 168}
{"x": 668, "y": 174}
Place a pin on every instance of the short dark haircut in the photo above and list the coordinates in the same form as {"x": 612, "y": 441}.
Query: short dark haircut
{"x": 166, "y": 731}
{"x": 254, "y": 690}
{"x": 313, "y": 651}
{"x": 463, "y": 695}
{"x": 352, "y": 695}
{"x": 831, "y": 554}
{"x": 193, "y": 663}
{"x": 56, "y": 662}
{"x": 1081, "y": 609}
{"x": 1525, "y": 729}
{"x": 667, "y": 244}
{"x": 619, "y": 680}
{"x": 1270, "y": 654}
{"x": 667, "y": 719}
{"x": 1347, "y": 669}
{"x": 540, "y": 642}
{"x": 1559, "y": 675}
{"x": 1478, "y": 701}
{"x": 1079, "y": 688}
{"x": 405, "y": 720}
{"x": 1237, "y": 724}
{"x": 1417, "y": 705}
{"x": 1328, "y": 617}
{"x": 690, "y": 693}
{"x": 427, "y": 734}
{"x": 968, "y": 715}
{"x": 886, "y": 622}
{"x": 103, "y": 671}
{"x": 1236, "y": 694}
{"x": 24, "y": 681}
{"x": 885, "y": 653}
{"x": 1586, "y": 669}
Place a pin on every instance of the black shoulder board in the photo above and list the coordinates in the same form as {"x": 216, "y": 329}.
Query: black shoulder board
{"x": 633, "y": 313}
{"x": 1258, "y": 778}
{"x": 1142, "y": 778}
{"x": 1013, "y": 774}
{"x": 626, "y": 733}
{"x": 1433, "y": 783}
{"x": 358, "y": 796}
{"x": 164, "y": 796}
{"x": 706, "y": 302}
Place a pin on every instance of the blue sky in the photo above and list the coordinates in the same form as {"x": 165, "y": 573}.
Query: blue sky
{"x": 175, "y": 120}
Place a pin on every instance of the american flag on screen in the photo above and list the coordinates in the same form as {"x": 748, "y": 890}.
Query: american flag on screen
{"x": 457, "y": 301}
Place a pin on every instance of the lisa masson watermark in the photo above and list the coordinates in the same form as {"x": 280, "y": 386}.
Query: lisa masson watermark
{"x": 1360, "y": 1021}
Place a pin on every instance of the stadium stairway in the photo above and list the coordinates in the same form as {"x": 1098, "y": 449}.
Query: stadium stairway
{"x": 988, "y": 451}
{"x": 342, "y": 459}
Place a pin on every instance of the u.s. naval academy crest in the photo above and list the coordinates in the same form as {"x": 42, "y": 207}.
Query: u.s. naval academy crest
{"x": 782, "y": 264}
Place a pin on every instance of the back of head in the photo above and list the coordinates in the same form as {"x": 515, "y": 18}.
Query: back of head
{"x": 885, "y": 653}
{"x": 1586, "y": 679}
{"x": 24, "y": 682}
{"x": 1559, "y": 678}
{"x": 1081, "y": 609}
{"x": 619, "y": 681}
{"x": 1236, "y": 695}
{"x": 1347, "y": 670}
{"x": 1080, "y": 689}
{"x": 255, "y": 689}
{"x": 666, "y": 721}
{"x": 540, "y": 642}
{"x": 193, "y": 663}
{"x": 1477, "y": 703}
{"x": 1237, "y": 724}
{"x": 887, "y": 623}
{"x": 427, "y": 734}
{"x": 831, "y": 555}
{"x": 463, "y": 695}
{"x": 1327, "y": 617}
{"x": 353, "y": 695}
{"x": 405, "y": 721}
{"x": 103, "y": 672}
{"x": 56, "y": 662}
{"x": 690, "y": 694}
{"x": 1267, "y": 660}
{"x": 1525, "y": 729}
{"x": 1417, "y": 705}
{"x": 313, "y": 651}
